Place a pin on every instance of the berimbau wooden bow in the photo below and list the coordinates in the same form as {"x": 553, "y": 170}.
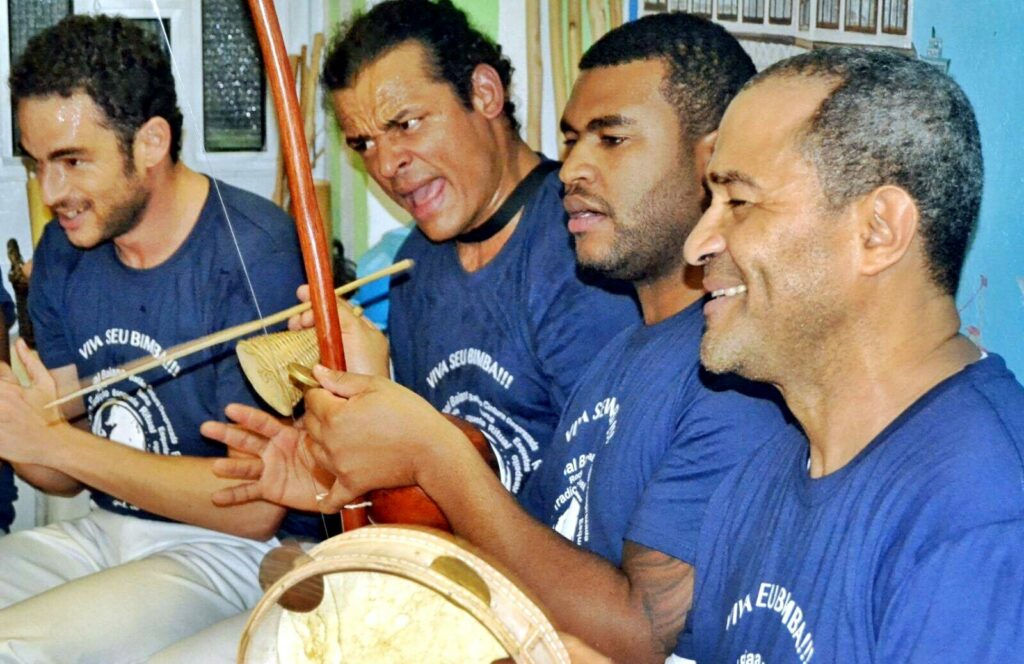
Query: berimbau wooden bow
{"x": 315, "y": 254}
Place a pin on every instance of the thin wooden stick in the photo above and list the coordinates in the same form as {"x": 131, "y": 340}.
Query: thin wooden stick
{"x": 557, "y": 55}
{"x": 188, "y": 348}
{"x": 534, "y": 74}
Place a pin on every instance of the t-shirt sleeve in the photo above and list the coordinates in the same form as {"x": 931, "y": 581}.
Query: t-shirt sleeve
{"x": 576, "y": 320}
{"x": 963, "y": 602}
{"x": 45, "y": 302}
{"x": 715, "y": 432}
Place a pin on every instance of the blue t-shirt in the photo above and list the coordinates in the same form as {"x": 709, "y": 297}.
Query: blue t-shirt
{"x": 91, "y": 310}
{"x": 909, "y": 553}
{"x": 8, "y": 492}
{"x": 502, "y": 347}
{"x": 646, "y": 438}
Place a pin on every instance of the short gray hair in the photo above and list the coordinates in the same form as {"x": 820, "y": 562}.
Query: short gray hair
{"x": 895, "y": 120}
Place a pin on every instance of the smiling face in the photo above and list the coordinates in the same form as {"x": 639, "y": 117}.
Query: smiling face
{"x": 632, "y": 188}
{"x": 426, "y": 150}
{"x": 86, "y": 180}
{"x": 778, "y": 266}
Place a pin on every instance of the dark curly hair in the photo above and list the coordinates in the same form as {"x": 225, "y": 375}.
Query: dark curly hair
{"x": 121, "y": 67}
{"x": 454, "y": 47}
{"x": 895, "y": 120}
{"x": 706, "y": 65}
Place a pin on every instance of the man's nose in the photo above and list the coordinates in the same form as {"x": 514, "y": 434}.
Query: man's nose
{"x": 53, "y": 183}
{"x": 706, "y": 239}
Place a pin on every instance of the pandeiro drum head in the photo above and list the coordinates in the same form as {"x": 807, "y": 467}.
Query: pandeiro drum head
{"x": 400, "y": 594}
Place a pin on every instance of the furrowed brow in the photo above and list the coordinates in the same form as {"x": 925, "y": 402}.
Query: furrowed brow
{"x": 399, "y": 118}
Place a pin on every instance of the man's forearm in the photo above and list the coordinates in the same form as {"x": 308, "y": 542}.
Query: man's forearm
{"x": 176, "y": 487}
{"x": 585, "y": 594}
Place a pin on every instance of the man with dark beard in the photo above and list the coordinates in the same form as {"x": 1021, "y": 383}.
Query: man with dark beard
{"x": 646, "y": 434}
{"x": 139, "y": 258}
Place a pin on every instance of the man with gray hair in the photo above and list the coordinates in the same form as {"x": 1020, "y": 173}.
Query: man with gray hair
{"x": 846, "y": 184}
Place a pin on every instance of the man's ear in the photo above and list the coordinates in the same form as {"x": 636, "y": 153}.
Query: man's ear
{"x": 488, "y": 92}
{"x": 889, "y": 220}
{"x": 702, "y": 151}
{"x": 152, "y": 143}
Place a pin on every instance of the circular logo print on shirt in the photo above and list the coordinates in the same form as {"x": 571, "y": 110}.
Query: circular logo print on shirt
{"x": 131, "y": 413}
{"x": 513, "y": 445}
{"x": 118, "y": 421}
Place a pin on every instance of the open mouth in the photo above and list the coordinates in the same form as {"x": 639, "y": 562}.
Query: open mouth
{"x": 67, "y": 215}
{"x": 423, "y": 196}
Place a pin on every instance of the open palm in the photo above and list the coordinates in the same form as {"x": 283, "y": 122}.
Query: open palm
{"x": 274, "y": 461}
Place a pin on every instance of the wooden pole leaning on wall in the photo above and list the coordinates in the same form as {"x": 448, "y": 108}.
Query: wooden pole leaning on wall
{"x": 534, "y": 74}
{"x": 598, "y": 19}
{"x": 307, "y": 101}
{"x": 615, "y": 14}
{"x": 575, "y": 42}
{"x": 307, "y": 106}
{"x": 557, "y": 55}
{"x": 281, "y": 177}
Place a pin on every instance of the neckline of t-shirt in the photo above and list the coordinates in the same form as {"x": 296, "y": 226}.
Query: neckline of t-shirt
{"x": 507, "y": 249}
{"x": 815, "y": 491}
{"x": 681, "y": 320}
{"x": 206, "y": 212}
{"x": 693, "y": 310}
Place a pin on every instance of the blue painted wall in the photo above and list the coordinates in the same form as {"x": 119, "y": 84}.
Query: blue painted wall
{"x": 985, "y": 44}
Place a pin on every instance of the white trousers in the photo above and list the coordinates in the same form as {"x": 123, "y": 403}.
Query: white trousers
{"x": 213, "y": 645}
{"x": 114, "y": 589}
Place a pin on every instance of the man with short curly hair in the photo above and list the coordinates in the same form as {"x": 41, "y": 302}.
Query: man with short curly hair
{"x": 139, "y": 258}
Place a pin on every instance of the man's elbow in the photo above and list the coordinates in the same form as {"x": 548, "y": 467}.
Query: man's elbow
{"x": 65, "y": 491}
{"x": 48, "y": 481}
